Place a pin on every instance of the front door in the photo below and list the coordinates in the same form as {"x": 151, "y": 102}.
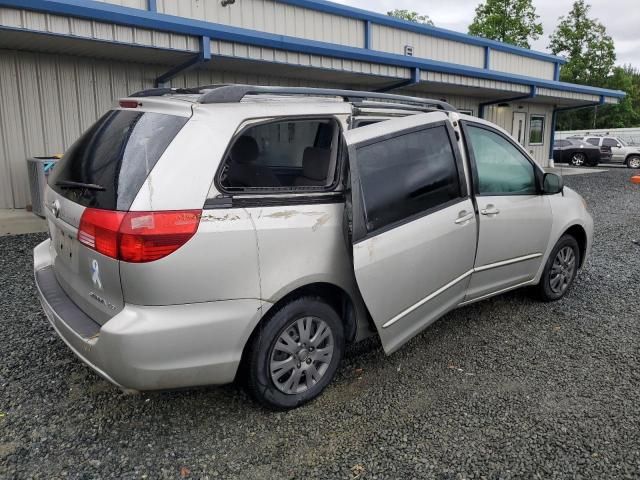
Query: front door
{"x": 617, "y": 150}
{"x": 413, "y": 223}
{"x": 515, "y": 218}
{"x": 518, "y": 129}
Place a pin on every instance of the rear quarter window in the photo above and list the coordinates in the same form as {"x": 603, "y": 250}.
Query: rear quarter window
{"x": 116, "y": 154}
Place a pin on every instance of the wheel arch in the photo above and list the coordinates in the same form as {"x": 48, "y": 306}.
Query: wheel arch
{"x": 579, "y": 233}
{"x": 336, "y": 296}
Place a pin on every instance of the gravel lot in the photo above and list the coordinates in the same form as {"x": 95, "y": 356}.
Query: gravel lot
{"x": 502, "y": 389}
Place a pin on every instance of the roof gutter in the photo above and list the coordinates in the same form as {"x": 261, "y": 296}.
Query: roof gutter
{"x": 554, "y": 118}
{"x": 532, "y": 93}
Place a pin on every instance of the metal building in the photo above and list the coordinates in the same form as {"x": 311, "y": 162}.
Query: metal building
{"x": 64, "y": 62}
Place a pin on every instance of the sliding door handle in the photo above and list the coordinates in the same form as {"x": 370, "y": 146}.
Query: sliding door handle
{"x": 490, "y": 210}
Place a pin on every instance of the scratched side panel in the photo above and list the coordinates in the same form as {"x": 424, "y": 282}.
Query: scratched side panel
{"x": 299, "y": 245}
{"x": 219, "y": 263}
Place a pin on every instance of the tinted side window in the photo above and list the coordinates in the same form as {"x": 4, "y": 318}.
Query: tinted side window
{"x": 406, "y": 175}
{"x": 610, "y": 142}
{"x": 293, "y": 153}
{"x": 593, "y": 141}
{"x": 502, "y": 168}
{"x": 116, "y": 153}
{"x": 562, "y": 143}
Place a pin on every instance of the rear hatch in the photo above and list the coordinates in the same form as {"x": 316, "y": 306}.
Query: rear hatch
{"x": 96, "y": 181}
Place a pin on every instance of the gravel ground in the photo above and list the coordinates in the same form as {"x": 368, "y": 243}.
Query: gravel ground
{"x": 502, "y": 389}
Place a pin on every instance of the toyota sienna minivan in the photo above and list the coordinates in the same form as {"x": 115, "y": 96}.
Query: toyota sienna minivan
{"x": 206, "y": 234}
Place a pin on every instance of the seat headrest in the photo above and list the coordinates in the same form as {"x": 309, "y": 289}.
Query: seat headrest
{"x": 315, "y": 163}
{"x": 245, "y": 150}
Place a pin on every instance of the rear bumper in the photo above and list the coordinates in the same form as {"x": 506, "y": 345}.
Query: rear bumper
{"x": 152, "y": 347}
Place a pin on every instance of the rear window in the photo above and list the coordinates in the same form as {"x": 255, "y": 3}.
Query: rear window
{"x": 107, "y": 166}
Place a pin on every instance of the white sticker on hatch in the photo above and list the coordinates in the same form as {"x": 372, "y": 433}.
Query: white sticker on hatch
{"x": 95, "y": 274}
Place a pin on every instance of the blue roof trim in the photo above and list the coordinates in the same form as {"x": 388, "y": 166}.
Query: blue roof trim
{"x": 380, "y": 19}
{"x": 144, "y": 19}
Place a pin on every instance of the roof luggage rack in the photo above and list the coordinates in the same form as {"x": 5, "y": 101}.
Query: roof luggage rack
{"x": 236, "y": 93}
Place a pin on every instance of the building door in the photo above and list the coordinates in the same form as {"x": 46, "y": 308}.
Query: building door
{"x": 518, "y": 130}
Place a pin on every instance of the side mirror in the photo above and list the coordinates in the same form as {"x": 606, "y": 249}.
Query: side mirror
{"x": 552, "y": 184}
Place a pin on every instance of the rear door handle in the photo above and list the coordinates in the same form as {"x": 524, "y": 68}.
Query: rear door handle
{"x": 463, "y": 217}
{"x": 490, "y": 210}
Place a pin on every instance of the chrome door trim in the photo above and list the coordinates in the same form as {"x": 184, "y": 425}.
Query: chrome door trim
{"x": 462, "y": 277}
{"x": 504, "y": 263}
{"x": 497, "y": 292}
{"x": 426, "y": 299}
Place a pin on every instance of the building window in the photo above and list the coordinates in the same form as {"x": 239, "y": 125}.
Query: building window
{"x": 465, "y": 111}
{"x": 536, "y": 130}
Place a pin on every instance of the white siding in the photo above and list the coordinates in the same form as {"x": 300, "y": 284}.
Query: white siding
{"x": 41, "y": 22}
{"x": 548, "y": 92}
{"x": 237, "y": 50}
{"x": 503, "y": 116}
{"x": 451, "y": 79}
{"x": 393, "y": 40}
{"x": 519, "y": 65}
{"x": 272, "y": 17}
{"x": 142, "y": 4}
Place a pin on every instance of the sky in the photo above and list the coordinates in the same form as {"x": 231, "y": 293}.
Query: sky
{"x": 620, "y": 17}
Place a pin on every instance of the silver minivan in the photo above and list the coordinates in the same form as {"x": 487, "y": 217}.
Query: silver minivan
{"x": 206, "y": 234}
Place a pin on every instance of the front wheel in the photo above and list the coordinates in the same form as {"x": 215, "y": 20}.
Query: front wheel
{"x": 295, "y": 354}
{"x": 560, "y": 270}
{"x": 578, "y": 159}
{"x": 633, "y": 161}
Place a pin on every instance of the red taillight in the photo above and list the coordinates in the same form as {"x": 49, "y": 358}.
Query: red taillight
{"x": 99, "y": 230}
{"x": 137, "y": 236}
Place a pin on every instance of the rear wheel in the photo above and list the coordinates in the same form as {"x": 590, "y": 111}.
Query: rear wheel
{"x": 295, "y": 354}
{"x": 578, "y": 159}
{"x": 560, "y": 270}
{"x": 633, "y": 161}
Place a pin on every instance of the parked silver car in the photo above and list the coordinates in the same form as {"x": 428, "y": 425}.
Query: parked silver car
{"x": 200, "y": 233}
{"x": 621, "y": 151}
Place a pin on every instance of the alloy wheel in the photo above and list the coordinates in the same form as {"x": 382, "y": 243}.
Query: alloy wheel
{"x": 301, "y": 355}
{"x": 634, "y": 162}
{"x": 562, "y": 270}
{"x": 577, "y": 159}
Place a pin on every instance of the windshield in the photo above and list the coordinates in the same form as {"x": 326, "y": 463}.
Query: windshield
{"x": 107, "y": 166}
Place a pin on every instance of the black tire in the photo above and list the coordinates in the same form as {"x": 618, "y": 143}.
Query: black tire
{"x": 260, "y": 353}
{"x": 578, "y": 159}
{"x": 546, "y": 290}
{"x": 633, "y": 161}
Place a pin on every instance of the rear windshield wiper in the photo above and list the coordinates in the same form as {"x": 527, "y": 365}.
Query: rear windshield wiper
{"x": 89, "y": 186}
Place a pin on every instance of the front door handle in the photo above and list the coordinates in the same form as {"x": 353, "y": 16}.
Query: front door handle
{"x": 490, "y": 210}
{"x": 463, "y": 217}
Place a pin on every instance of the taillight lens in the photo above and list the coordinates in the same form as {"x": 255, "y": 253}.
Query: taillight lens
{"x": 137, "y": 236}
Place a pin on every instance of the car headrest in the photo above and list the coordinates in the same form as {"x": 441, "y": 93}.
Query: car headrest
{"x": 315, "y": 163}
{"x": 245, "y": 150}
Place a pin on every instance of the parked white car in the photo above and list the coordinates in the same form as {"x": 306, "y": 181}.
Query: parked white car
{"x": 200, "y": 233}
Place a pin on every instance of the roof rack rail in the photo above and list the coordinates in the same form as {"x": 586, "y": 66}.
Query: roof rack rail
{"x": 222, "y": 93}
{"x": 235, "y": 94}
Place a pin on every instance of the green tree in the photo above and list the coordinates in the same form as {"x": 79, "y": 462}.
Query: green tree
{"x": 584, "y": 41}
{"x": 510, "y": 21}
{"x": 410, "y": 16}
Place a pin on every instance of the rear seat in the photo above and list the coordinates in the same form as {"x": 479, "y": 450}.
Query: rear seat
{"x": 315, "y": 165}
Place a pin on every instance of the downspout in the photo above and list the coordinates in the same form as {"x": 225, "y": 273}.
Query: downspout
{"x": 414, "y": 80}
{"x": 554, "y": 118}
{"x": 532, "y": 93}
{"x": 201, "y": 57}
